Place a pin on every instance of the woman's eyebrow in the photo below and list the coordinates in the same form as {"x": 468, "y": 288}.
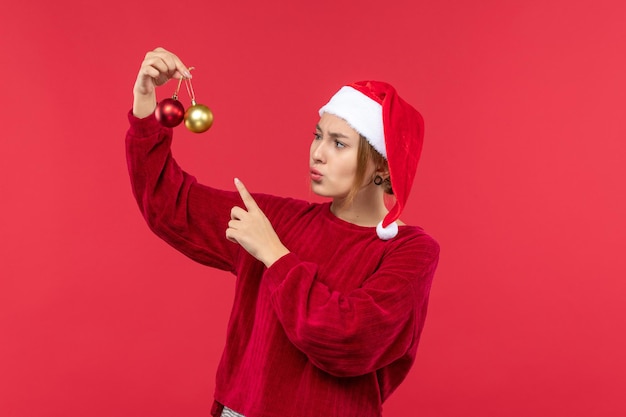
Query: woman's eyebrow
{"x": 333, "y": 134}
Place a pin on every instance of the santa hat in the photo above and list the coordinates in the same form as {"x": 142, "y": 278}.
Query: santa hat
{"x": 393, "y": 127}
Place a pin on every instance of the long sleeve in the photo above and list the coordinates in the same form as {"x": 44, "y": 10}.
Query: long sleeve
{"x": 359, "y": 331}
{"x": 189, "y": 216}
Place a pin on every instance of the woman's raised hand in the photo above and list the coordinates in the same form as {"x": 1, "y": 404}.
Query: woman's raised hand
{"x": 158, "y": 67}
{"x": 253, "y": 231}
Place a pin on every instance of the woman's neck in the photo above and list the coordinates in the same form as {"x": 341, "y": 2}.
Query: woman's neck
{"x": 367, "y": 208}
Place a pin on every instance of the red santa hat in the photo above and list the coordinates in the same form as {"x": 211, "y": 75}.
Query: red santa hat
{"x": 393, "y": 127}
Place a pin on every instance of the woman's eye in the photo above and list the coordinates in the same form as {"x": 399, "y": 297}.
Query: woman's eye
{"x": 317, "y": 136}
{"x": 339, "y": 144}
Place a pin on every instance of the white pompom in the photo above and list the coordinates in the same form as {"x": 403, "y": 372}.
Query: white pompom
{"x": 386, "y": 233}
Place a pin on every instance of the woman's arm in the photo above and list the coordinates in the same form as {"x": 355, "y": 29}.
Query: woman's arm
{"x": 191, "y": 217}
{"x": 354, "y": 333}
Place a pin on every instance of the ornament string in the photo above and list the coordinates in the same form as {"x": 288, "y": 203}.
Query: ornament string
{"x": 190, "y": 92}
{"x": 175, "y": 95}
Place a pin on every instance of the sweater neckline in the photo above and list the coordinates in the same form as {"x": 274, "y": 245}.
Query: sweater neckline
{"x": 346, "y": 224}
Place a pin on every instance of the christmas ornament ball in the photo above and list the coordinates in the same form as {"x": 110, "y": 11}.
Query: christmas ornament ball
{"x": 169, "y": 112}
{"x": 198, "y": 118}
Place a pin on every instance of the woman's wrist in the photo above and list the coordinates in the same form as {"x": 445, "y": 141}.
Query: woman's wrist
{"x": 143, "y": 106}
{"x": 275, "y": 255}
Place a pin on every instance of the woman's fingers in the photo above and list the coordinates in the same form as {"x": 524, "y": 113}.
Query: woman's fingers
{"x": 246, "y": 197}
{"x": 169, "y": 63}
{"x": 237, "y": 213}
{"x": 158, "y": 67}
{"x": 251, "y": 229}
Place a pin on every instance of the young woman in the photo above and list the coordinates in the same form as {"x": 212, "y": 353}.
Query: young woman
{"x": 331, "y": 298}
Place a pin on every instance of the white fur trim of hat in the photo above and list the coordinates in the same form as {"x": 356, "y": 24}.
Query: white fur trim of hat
{"x": 362, "y": 114}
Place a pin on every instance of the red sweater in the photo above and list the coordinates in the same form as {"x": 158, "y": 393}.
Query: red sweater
{"x": 330, "y": 329}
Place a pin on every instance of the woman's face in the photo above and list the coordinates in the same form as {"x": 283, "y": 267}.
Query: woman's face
{"x": 333, "y": 157}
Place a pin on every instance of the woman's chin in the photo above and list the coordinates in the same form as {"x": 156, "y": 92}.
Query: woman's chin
{"x": 322, "y": 192}
{"x": 319, "y": 190}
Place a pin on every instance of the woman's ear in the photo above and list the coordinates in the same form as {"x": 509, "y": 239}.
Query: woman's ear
{"x": 383, "y": 169}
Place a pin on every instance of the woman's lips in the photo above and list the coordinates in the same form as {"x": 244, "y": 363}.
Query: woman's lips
{"x": 316, "y": 175}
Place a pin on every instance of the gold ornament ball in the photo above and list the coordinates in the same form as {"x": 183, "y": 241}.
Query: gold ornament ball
{"x": 198, "y": 118}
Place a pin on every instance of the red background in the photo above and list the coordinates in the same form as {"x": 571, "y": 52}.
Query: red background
{"x": 521, "y": 181}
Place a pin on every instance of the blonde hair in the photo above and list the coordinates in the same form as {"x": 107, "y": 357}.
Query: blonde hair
{"x": 365, "y": 154}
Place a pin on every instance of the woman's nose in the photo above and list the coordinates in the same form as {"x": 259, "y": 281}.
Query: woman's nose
{"x": 318, "y": 150}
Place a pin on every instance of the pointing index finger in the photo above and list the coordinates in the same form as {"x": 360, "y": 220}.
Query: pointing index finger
{"x": 248, "y": 200}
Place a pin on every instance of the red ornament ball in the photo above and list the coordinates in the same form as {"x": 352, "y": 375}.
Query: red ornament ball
{"x": 170, "y": 112}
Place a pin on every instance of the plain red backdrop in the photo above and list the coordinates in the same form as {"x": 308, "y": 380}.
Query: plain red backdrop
{"x": 521, "y": 181}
